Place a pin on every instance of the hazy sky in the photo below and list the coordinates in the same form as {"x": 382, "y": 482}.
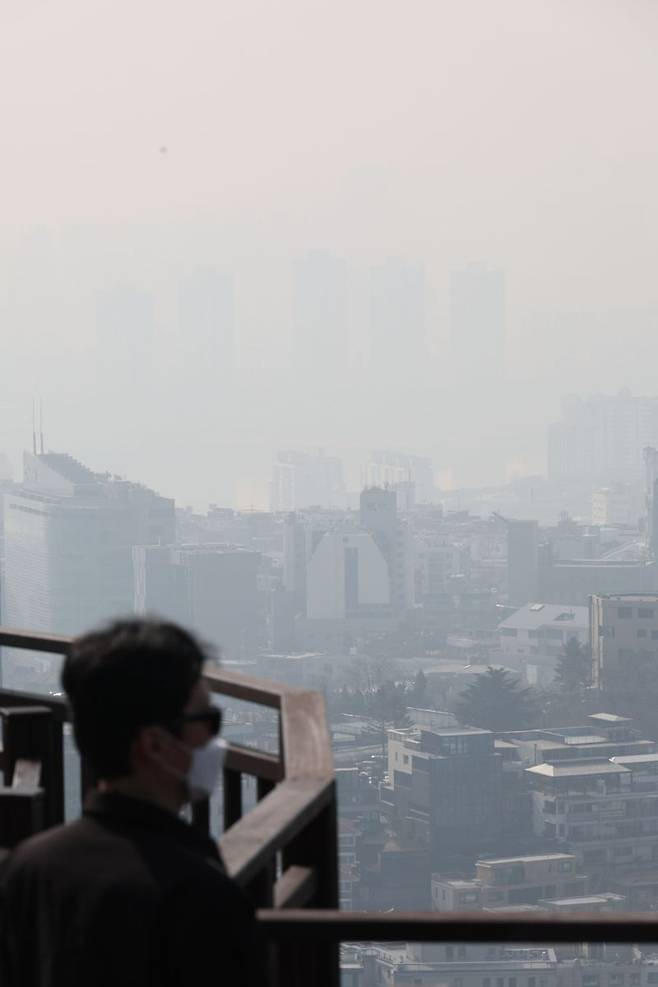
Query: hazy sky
{"x": 521, "y": 133}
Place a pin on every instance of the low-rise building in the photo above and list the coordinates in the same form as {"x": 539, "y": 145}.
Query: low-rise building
{"x": 509, "y": 881}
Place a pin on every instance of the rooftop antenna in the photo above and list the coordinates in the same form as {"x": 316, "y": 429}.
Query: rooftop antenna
{"x": 41, "y": 448}
{"x": 34, "y": 426}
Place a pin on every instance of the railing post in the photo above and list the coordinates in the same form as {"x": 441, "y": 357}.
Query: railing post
{"x": 232, "y": 797}
{"x": 316, "y": 847}
{"x": 32, "y": 733}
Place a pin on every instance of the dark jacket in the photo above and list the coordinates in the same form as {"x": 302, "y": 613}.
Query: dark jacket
{"x": 128, "y": 895}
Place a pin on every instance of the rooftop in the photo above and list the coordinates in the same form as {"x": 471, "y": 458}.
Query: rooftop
{"x": 530, "y": 859}
{"x": 571, "y": 770}
{"x": 535, "y": 615}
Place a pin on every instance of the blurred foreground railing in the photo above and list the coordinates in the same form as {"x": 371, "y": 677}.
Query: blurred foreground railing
{"x": 283, "y": 851}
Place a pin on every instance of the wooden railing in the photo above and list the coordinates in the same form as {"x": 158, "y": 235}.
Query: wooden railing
{"x": 283, "y": 851}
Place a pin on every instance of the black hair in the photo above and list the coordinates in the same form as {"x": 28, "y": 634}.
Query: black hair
{"x": 127, "y": 675}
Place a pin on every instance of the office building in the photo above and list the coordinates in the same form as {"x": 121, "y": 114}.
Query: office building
{"x": 69, "y": 535}
{"x": 213, "y": 589}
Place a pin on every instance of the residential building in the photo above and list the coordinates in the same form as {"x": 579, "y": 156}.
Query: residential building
{"x": 509, "y": 881}
{"x": 542, "y": 629}
{"x": 447, "y": 786}
{"x": 605, "y": 811}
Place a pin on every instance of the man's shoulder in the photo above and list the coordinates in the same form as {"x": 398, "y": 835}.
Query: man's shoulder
{"x": 50, "y": 845}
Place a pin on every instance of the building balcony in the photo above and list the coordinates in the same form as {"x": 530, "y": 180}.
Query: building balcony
{"x": 283, "y": 851}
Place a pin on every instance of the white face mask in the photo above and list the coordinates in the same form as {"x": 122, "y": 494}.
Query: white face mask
{"x": 206, "y": 765}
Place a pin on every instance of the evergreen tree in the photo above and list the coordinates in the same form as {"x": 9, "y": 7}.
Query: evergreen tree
{"x": 574, "y": 667}
{"x": 495, "y": 701}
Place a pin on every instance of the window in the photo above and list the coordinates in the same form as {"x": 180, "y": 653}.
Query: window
{"x": 652, "y": 978}
{"x": 642, "y": 632}
{"x": 565, "y": 866}
{"x": 654, "y": 635}
{"x": 461, "y": 953}
{"x": 511, "y": 982}
{"x": 590, "y": 980}
{"x": 508, "y": 632}
{"x": 646, "y": 612}
{"x": 622, "y": 612}
{"x": 531, "y": 981}
{"x": 616, "y": 980}
{"x": 450, "y": 952}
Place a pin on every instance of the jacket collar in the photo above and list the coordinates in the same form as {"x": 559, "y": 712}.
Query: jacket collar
{"x": 113, "y": 808}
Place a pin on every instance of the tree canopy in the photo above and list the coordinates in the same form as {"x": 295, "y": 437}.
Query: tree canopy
{"x": 496, "y": 701}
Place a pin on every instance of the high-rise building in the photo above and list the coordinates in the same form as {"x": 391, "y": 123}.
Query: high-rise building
{"x": 397, "y": 316}
{"x": 600, "y": 440}
{"x": 320, "y": 315}
{"x": 207, "y": 324}
{"x": 378, "y": 514}
{"x": 301, "y": 479}
{"x": 651, "y": 495}
{"x": 386, "y": 468}
{"x": 69, "y": 535}
{"x": 477, "y": 322}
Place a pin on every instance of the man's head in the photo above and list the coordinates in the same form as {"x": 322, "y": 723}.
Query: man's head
{"x": 140, "y": 706}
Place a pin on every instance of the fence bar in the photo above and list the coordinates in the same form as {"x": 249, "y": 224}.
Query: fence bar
{"x": 32, "y": 733}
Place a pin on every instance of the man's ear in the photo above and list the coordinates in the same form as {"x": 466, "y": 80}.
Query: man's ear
{"x": 148, "y": 743}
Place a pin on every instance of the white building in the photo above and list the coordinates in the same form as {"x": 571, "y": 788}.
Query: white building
{"x": 542, "y": 629}
{"x": 347, "y": 574}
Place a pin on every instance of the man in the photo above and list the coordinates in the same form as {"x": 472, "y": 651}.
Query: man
{"x": 131, "y": 894}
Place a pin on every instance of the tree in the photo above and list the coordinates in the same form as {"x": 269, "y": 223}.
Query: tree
{"x": 495, "y": 701}
{"x": 574, "y": 668}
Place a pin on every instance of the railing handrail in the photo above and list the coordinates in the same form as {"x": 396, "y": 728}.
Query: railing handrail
{"x": 302, "y": 773}
{"x": 330, "y": 925}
